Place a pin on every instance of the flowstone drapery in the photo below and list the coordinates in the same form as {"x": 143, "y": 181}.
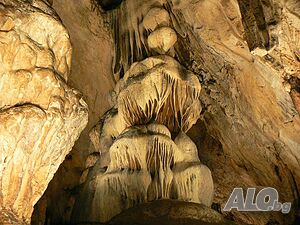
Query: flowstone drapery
{"x": 246, "y": 56}
{"x": 41, "y": 117}
{"x": 146, "y": 154}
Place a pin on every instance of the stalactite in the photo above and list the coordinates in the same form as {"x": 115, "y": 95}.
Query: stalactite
{"x": 130, "y": 35}
{"x": 155, "y": 97}
{"x": 168, "y": 94}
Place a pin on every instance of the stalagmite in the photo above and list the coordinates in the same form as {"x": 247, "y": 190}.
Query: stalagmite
{"x": 140, "y": 161}
{"x": 155, "y": 100}
{"x": 145, "y": 165}
{"x": 142, "y": 166}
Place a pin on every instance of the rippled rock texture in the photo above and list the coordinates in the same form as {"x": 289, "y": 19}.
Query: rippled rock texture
{"x": 140, "y": 161}
{"x": 245, "y": 55}
{"x": 40, "y": 115}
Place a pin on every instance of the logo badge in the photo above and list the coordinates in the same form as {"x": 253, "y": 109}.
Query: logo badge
{"x": 265, "y": 200}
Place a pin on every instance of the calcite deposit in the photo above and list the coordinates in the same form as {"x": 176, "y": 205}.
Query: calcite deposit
{"x": 40, "y": 115}
{"x": 157, "y": 97}
{"x": 195, "y": 98}
{"x": 144, "y": 165}
{"x": 166, "y": 93}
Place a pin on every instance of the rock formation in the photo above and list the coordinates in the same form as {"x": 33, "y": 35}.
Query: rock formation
{"x": 165, "y": 212}
{"x": 249, "y": 87}
{"x": 232, "y": 63}
{"x": 156, "y": 97}
{"x": 145, "y": 165}
{"x": 40, "y": 115}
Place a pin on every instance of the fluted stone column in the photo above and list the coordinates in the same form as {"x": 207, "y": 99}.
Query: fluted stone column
{"x": 146, "y": 154}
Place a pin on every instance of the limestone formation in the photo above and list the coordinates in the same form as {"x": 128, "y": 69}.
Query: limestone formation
{"x": 144, "y": 165}
{"x": 162, "y": 39}
{"x": 247, "y": 62}
{"x": 156, "y": 17}
{"x": 165, "y": 212}
{"x": 139, "y": 161}
{"x": 165, "y": 92}
{"x": 244, "y": 53}
{"x": 40, "y": 115}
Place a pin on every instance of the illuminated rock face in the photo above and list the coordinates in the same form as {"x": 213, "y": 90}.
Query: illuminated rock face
{"x": 250, "y": 95}
{"x": 160, "y": 89}
{"x": 40, "y": 115}
{"x": 140, "y": 161}
{"x": 145, "y": 165}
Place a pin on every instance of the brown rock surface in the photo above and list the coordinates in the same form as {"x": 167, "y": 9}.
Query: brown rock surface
{"x": 91, "y": 74}
{"x": 40, "y": 115}
{"x": 145, "y": 165}
{"x": 247, "y": 108}
{"x": 246, "y": 57}
{"x": 168, "y": 212}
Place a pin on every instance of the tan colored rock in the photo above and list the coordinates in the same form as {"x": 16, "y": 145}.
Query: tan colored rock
{"x": 249, "y": 114}
{"x": 92, "y": 52}
{"x": 156, "y": 17}
{"x": 6, "y": 23}
{"x": 188, "y": 148}
{"x": 296, "y": 99}
{"x": 162, "y": 39}
{"x": 159, "y": 89}
{"x": 170, "y": 212}
{"x": 145, "y": 165}
{"x": 104, "y": 134}
{"x": 156, "y": 97}
{"x": 250, "y": 127}
{"x": 40, "y": 115}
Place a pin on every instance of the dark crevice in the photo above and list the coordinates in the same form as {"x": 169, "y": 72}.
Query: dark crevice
{"x": 258, "y": 17}
{"x": 109, "y": 4}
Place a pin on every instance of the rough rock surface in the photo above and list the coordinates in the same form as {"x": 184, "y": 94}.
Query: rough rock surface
{"x": 248, "y": 109}
{"x": 91, "y": 74}
{"x": 168, "y": 212}
{"x": 246, "y": 56}
{"x": 145, "y": 165}
{"x": 159, "y": 89}
{"x": 142, "y": 163}
{"x": 40, "y": 115}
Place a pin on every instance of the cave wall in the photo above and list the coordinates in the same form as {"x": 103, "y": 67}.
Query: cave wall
{"x": 247, "y": 61}
{"x": 91, "y": 73}
{"x": 248, "y": 106}
{"x": 41, "y": 116}
{"x": 248, "y": 66}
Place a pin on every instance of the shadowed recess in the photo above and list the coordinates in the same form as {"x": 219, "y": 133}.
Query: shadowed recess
{"x": 109, "y": 4}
